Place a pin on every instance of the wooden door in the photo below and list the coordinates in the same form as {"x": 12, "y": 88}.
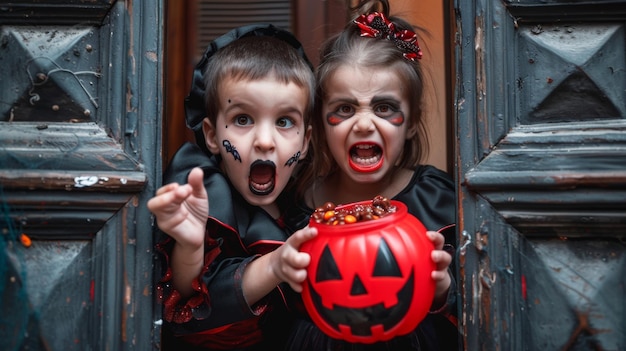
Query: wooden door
{"x": 80, "y": 96}
{"x": 541, "y": 160}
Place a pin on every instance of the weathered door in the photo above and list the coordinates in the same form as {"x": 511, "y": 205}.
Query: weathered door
{"x": 541, "y": 128}
{"x": 80, "y": 112}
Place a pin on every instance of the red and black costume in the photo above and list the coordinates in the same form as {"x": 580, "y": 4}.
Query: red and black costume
{"x": 217, "y": 316}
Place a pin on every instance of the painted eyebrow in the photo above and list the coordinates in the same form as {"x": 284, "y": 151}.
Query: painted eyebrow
{"x": 375, "y": 100}
{"x": 384, "y": 98}
{"x": 344, "y": 100}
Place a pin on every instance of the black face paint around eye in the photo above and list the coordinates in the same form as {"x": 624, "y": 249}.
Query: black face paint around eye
{"x": 231, "y": 150}
{"x": 293, "y": 159}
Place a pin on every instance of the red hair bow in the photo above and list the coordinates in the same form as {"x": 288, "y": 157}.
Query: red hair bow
{"x": 376, "y": 25}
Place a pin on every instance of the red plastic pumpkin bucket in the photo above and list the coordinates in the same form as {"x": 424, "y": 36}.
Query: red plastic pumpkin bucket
{"x": 369, "y": 281}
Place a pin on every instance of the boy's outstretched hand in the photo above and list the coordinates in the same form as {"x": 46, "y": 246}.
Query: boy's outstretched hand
{"x": 181, "y": 210}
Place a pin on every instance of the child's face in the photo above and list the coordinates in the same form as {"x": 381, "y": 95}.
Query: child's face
{"x": 260, "y": 134}
{"x": 366, "y": 121}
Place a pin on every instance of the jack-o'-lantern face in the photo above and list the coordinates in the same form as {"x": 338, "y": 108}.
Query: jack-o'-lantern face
{"x": 378, "y": 298}
{"x": 371, "y": 284}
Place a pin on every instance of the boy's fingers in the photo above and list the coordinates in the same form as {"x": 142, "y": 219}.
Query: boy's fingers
{"x": 292, "y": 258}
{"x": 301, "y": 260}
{"x": 166, "y": 188}
{"x": 160, "y": 201}
{"x": 301, "y": 236}
{"x": 195, "y": 179}
{"x": 295, "y": 275}
{"x": 174, "y": 197}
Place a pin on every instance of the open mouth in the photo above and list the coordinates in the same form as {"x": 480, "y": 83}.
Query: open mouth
{"x": 262, "y": 177}
{"x": 366, "y": 157}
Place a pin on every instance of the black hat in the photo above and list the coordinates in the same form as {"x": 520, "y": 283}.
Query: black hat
{"x": 195, "y": 110}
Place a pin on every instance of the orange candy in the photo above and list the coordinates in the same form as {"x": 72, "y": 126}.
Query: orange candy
{"x": 349, "y": 219}
{"x": 328, "y": 215}
{"x": 25, "y": 240}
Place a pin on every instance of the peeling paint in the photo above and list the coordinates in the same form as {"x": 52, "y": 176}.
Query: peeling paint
{"x": 152, "y": 56}
{"x": 81, "y": 182}
{"x": 85, "y": 181}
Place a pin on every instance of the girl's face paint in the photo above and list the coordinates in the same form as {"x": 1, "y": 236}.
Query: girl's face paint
{"x": 387, "y": 110}
{"x": 333, "y": 119}
{"x": 366, "y": 121}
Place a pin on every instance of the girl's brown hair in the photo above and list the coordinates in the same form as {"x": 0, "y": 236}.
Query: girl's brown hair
{"x": 350, "y": 48}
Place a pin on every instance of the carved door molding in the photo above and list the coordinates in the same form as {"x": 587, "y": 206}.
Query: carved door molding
{"x": 80, "y": 117}
{"x": 541, "y": 160}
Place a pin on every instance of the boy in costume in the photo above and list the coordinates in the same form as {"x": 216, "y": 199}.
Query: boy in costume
{"x": 250, "y": 107}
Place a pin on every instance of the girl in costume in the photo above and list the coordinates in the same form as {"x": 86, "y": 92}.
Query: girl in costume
{"x": 369, "y": 138}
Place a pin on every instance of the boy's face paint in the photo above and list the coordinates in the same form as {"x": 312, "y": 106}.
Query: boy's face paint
{"x": 365, "y": 112}
{"x": 260, "y": 132}
{"x": 294, "y": 159}
{"x": 231, "y": 150}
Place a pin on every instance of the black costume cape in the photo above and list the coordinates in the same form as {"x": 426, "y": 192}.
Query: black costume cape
{"x": 236, "y": 233}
